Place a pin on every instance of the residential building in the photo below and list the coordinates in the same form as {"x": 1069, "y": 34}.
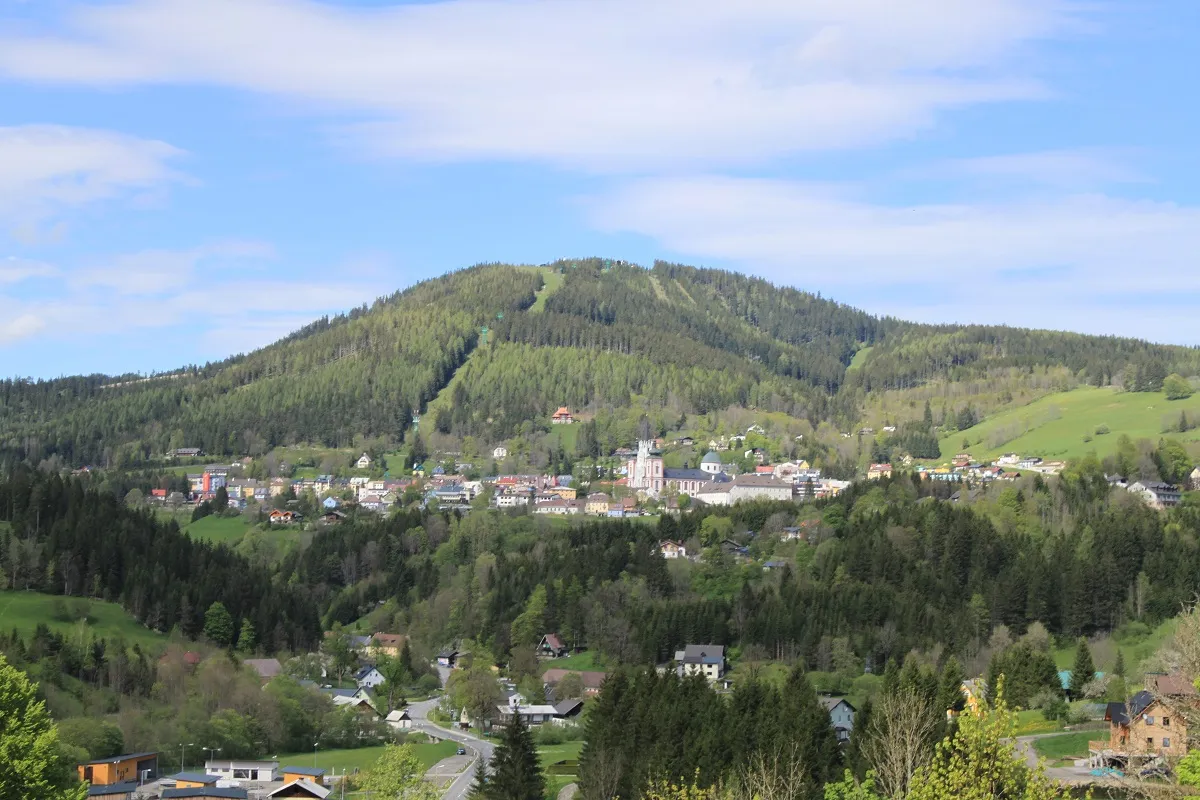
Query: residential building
{"x": 368, "y": 677}
{"x": 672, "y": 549}
{"x": 135, "y": 767}
{"x": 389, "y": 644}
{"x": 701, "y": 659}
{"x": 531, "y": 714}
{"x": 242, "y": 770}
{"x": 500, "y": 452}
{"x": 1194, "y": 479}
{"x": 877, "y": 471}
{"x": 597, "y": 504}
{"x": 562, "y": 416}
{"x": 841, "y": 714}
{"x": 1156, "y": 494}
{"x": 267, "y": 668}
{"x": 552, "y": 647}
{"x": 715, "y": 494}
{"x": 364, "y": 462}
{"x": 592, "y": 680}
{"x": 448, "y": 658}
{"x": 186, "y": 452}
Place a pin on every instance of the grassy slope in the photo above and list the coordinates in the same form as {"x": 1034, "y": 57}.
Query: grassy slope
{"x": 1135, "y": 649}
{"x": 363, "y": 758}
{"x": 1054, "y": 427}
{"x": 24, "y": 610}
{"x": 553, "y": 280}
{"x": 586, "y": 661}
{"x": 859, "y": 358}
{"x": 219, "y": 530}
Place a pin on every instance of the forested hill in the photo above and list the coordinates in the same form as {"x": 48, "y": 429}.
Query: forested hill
{"x": 589, "y": 334}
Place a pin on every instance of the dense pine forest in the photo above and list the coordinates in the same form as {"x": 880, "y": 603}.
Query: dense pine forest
{"x": 598, "y": 336}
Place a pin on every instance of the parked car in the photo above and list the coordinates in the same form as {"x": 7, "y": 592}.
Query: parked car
{"x": 462, "y": 752}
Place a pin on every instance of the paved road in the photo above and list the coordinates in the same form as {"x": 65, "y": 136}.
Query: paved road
{"x": 476, "y": 748}
{"x": 1067, "y": 774}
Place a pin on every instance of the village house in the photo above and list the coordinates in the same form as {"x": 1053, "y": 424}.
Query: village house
{"x": 592, "y": 680}
{"x": 701, "y": 659}
{"x": 877, "y": 471}
{"x": 841, "y": 714}
{"x": 552, "y": 647}
{"x": 364, "y": 462}
{"x": 672, "y": 549}
{"x": 242, "y": 770}
{"x": 531, "y": 714}
{"x": 448, "y": 658}
{"x": 1194, "y": 479}
{"x": 562, "y": 416}
{"x": 206, "y": 793}
{"x": 399, "y": 719}
{"x": 114, "y": 791}
{"x": 368, "y": 677}
{"x": 597, "y": 504}
{"x": 265, "y": 668}
{"x": 758, "y": 487}
{"x": 500, "y": 452}
{"x": 388, "y": 644}
{"x": 1150, "y": 726}
{"x": 304, "y": 789}
{"x": 311, "y": 774}
{"x": 1156, "y": 494}
{"x": 193, "y": 780}
{"x": 186, "y": 452}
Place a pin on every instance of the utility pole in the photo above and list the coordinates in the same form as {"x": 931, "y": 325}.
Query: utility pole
{"x": 182, "y": 753}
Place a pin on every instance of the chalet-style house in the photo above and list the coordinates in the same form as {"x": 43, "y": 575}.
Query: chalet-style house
{"x": 671, "y": 549}
{"x": 399, "y": 719}
{"x": 552, "y": 647}
{"x": 592, "y": 681}
{"x": 1150, "y": 727}
{"x": 364, "y": 462}
{"x": 562, "y": 416}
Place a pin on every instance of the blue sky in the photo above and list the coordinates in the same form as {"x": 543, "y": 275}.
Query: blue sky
{"x": 185, "y": 179}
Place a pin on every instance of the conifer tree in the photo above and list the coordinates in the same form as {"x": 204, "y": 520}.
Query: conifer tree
{"x": 1083, "y": 670}
{"x": 247, "y": 638}
{"x": 516, "y": 773}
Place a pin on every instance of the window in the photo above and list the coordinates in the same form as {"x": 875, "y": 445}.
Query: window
{"x": 1166, "y": 722}
{"x": 1149, "y": 720}
{"x": 1166, "y": 741}
{"x": 1149, "y": 741}
{"x": 242, "y": 774}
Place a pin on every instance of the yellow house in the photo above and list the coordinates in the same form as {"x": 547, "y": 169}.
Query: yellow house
{"x": 193, "y": 780}
{"x": 311, "y": 774}
{"x": 118, "y": 769}
{"x": 387, "y": 643}
{"x": 596, "y": 504}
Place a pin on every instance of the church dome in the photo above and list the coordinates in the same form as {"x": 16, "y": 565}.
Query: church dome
{"x": 711, "y": 458}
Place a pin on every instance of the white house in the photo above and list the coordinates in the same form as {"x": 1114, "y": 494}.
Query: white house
{"x": 364, "y": 462}
{"x": 841, "y": 714}
{"x": 1156, "y": 494}
{"x": 238, "y": 770}
{"x": 368, "y": 677}
{"x": 759, "y": 487}
{"x": 500, "y": 453}
{"x": 670, "y": 549}
{"x": 701, "y": 659}
{"x": 400, "y": 720}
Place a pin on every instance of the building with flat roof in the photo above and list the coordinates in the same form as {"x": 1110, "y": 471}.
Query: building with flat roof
{"x": 136, "y": 767}
{"x": 241, "y": 769}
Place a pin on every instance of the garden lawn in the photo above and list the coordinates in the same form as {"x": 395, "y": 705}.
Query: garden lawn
{"x": 1067, "y": 745}
{"x": 24, "y": 610}
{"x": 587, "y": 661}
{"x": 553, "y": 753}
{"x": 363, "y": 758}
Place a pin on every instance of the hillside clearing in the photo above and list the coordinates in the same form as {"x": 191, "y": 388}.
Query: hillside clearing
{"x": 1137, "y": 642}
{"x": 219, "y": 530}
{"x": 24, "y": 611}
{"x": 553, "y": 281}
{"x": 1055, "y": 426}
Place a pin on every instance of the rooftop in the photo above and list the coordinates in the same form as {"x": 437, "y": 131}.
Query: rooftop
{"x": 194, "y": 777}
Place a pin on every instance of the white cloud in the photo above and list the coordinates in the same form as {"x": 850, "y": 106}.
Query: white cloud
{"x": 1073, "y": 168}
{"x": 207, "y": 301}
{"x": 46, "y": 169}
{"x": 1082, "y": 261}
{"x": 599, "y": 84}
{"x": 158, "y": 272}
{"x": 16, "y": 270}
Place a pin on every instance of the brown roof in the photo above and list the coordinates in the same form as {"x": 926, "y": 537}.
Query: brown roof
{"x": 265, "y": 667}
{"x": 591, "y": 680}
{"x": 388, "y": 639}
{"x": 1171, "y": 685}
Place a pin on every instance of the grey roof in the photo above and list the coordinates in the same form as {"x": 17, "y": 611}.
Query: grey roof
{"x": 363, "y": 672}
{"x": 711, "y": 457}
{"x": 206, "y": 791}
{"x": 126, "y": 787}
{"x": 342, "y": 692}
{"x": 701, "y": 654}
{"x": 1121, "y": 714}
{"x": 830, "y": 703}
{"x": 686, "y": 475}
{"x": 194, "y": 777}
{"x": 567, "y": 707}
{"x": 125, "y": 757}
{"x": 760, "y": 480}
{"x": 314, "y": 771}
{"x": 265, "y": 667}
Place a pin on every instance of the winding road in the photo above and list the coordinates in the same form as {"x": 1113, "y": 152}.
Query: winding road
{"x": 476, "y": 748}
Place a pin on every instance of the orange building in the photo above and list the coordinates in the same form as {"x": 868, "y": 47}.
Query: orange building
{"x": 136, "y": 767}
{"x": 310, "y": 774}
{"x": 193, "y": 780}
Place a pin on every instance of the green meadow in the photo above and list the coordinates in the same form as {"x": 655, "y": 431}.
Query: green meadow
{"x": 25, "y": 610}
{"x": 1069, "y": 425}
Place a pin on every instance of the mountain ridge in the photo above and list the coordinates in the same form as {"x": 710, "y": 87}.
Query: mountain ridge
{"x": 667, "y": 340}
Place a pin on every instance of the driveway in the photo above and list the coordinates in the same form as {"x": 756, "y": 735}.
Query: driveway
{"x": 1064, "y": 774}
{"x": 476, "y": 748}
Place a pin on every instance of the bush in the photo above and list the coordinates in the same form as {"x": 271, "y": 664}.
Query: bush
{"x": 1102, "y": 430}
{"x": 1177, "y": 387}
{"x": 429, "y": 683}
